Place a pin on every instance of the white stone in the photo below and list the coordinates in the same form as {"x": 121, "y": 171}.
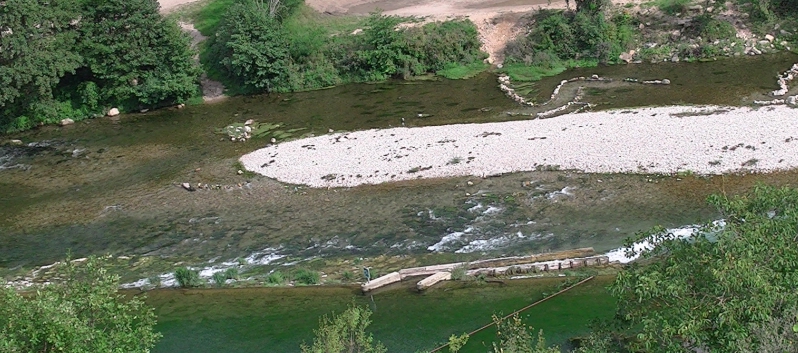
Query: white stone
{"x": 769, "y": 38}
{"x": 113, "y": 112}
{"x": 66, "y": 122}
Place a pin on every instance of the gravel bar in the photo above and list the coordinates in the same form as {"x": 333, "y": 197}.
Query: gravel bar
{"x": 698, "y": 139}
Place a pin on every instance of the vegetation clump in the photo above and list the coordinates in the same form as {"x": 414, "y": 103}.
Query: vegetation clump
{"x": 83, "y": 313}
{"x": 255, "y": 51}
{"x": 77, "y": 58}
{"x": 308, "y": 277}
{"x": 720, "y": 289}
{"x": 187, "y": 278}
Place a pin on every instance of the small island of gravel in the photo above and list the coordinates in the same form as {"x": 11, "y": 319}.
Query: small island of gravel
{"x": 701, "y": 140}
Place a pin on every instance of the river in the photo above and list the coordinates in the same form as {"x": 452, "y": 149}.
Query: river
{"x": 111, "y": 185}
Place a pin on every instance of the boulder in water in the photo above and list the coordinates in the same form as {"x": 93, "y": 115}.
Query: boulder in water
{"x": 66, "y": 122}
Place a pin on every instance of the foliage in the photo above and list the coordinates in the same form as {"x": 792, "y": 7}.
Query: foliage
{"x": 460, "y": 71}
{"x": 672, "y": 7}
{"x": 460, "y": 273}
{"x": 712, "y": 29}
{"x": 456, "y": 343}
{"x": 275, "y": 277}
{"x": 345, "y": 333}
{"x": 74, "y": 58}
{"x": 231, "y": 273}
{"x": 83, "y": 313}
{"x": 300, "y": 51}
{"x": 250, "y": 49}
{"x": 305, "y": 276}
{"x": 187, "y": 278}
{"x": 515, "y": 337}
{"x": 557, "y": 39}
{"x": 716, "y": 290}
{"x": 219, "y": 279}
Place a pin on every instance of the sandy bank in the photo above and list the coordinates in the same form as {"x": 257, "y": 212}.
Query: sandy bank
{"x": 704, "y": 140}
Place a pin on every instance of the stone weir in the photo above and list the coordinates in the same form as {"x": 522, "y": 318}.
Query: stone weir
{"x": 504, "y": 266}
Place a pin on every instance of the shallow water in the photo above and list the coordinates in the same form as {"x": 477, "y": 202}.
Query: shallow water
{"x": 111, "y": 185}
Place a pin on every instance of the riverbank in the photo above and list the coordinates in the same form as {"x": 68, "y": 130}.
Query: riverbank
{"x": 664, "y": 140}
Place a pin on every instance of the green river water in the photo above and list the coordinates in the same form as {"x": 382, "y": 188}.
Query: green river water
{"x": 112, "y": 186}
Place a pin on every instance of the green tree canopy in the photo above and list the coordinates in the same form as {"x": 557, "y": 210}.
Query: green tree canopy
{"x": 82, "y": 314}
{"x": 344, "y": 333}
{"x": 250, "y": 48}
{"x": 72, "y": 58}
{"x": 717, "y": 289}
{"x": 136, "y": 57}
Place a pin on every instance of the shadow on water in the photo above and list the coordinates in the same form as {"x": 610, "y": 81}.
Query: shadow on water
{"x": 280, "y": 319}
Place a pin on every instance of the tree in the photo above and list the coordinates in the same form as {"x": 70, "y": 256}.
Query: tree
{"x": 515, "y": 337}
{"x": 36, "y": 49}
{"x": 250, "y": 48}
{"x": 714, "y": 290}
{"x": 345, "y": 333}
{"x": 136, "y": 57}
{"x": 82, "y": 314}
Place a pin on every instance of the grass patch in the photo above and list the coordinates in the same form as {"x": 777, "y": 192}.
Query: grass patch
{"x": 275, "y": 278}
{"x": 525, "y": 73}
{"x": 460, "y": 71}
{"x": 187, "y": 278}
{"x": 207, "y": 18}
{"x": 307, "y": 277}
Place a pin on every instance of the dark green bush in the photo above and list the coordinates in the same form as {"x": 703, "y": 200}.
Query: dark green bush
{"x": 122, "y": 54}
{"x": 250, "y": 49}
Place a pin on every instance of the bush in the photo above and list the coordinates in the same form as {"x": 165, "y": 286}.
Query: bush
{"x": 345, "y": 333}
{"x": 187, "y": 278}
{"x": 83, "y": 313}
{"x": 559, "y": 40}
{"x": 308, "y": 277}
{"x": 250, "y": 49}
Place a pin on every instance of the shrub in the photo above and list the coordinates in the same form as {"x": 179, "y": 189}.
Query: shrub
{"x": 309, "y": 277}
{"x": 345, "y": 332}
{"x": 347, "y": 276}
{"x": 250, "y": 49}
{"x": 187, "y": 278}
{"x": 82, "y": 313}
